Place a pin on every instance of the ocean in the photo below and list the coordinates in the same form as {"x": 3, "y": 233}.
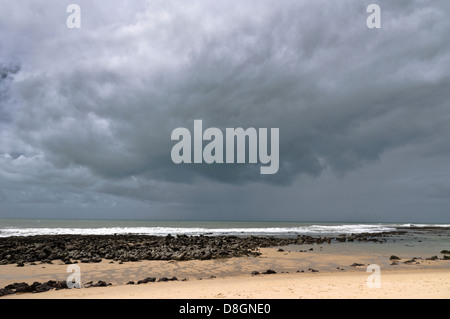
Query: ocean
{"x": 31, "y": 227}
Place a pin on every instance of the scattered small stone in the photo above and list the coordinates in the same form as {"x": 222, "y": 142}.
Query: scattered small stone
{"x": 356, "y": 265}
{"x": 130, "y": 283}
{"x": 280, "y": 250}
{"x": 255, "y": 273}
{"x": 312, "y": 270}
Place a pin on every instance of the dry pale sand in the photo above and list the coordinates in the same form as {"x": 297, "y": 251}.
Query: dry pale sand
{"x": 232, "y": 279}
{"x": 394, "y": 284}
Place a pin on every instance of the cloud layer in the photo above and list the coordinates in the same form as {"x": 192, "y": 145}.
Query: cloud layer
{"x": 87, "y": 114}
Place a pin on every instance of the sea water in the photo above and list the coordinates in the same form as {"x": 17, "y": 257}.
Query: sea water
{"x": 31, "y": 227}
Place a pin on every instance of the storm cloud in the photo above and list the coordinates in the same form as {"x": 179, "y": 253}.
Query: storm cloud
{"x": 86, "y": 114}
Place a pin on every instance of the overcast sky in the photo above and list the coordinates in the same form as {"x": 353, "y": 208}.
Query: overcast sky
{"x": 86, "y": 114}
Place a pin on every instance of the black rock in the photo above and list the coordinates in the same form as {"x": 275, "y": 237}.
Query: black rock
{"x": 100, "y": 283}
{"x": 255, "y": 273}
{"x": 4, "y": 292}
{"x": 280, "y": 250}
{"x": 130, "y": 283}
{"x": 42, "y": 288}
{"x": 357, "y": 265}
{"x": 269, "y": 272}
{"x": 146, "y": 280}
{"x": 394, "y": 258}
{"x": 22, "y": 287}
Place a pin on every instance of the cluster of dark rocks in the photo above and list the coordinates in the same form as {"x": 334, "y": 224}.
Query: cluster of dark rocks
{"x": 125, "y": 248}
{"x": 153, "y": 279}
{"x": 267, "y": 272}
{"x": 368, "y": 237}
{"x": 270, "y": 272}
{"x": 99, "y": 283}
{"x": 36, "y": 287}
{"x": 414, "y": 260}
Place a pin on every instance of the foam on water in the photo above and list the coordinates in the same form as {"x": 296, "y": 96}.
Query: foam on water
{"x": 163, "y": 231}
{"x": 18, "y": 227}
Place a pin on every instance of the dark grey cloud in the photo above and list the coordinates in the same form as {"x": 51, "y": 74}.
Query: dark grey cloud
{"x": 91, "y": 111}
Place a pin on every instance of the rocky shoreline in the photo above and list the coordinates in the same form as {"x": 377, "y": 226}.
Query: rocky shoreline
{"x": 72, "y": 249}
{"x": 128, "y": 248}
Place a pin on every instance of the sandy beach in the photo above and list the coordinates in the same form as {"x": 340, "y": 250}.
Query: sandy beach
{"x": 327, "y": 271}
{"x": 395, "y": 284}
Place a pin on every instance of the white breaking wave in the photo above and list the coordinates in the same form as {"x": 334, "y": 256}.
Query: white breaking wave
{"x": 163, "y": 231}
